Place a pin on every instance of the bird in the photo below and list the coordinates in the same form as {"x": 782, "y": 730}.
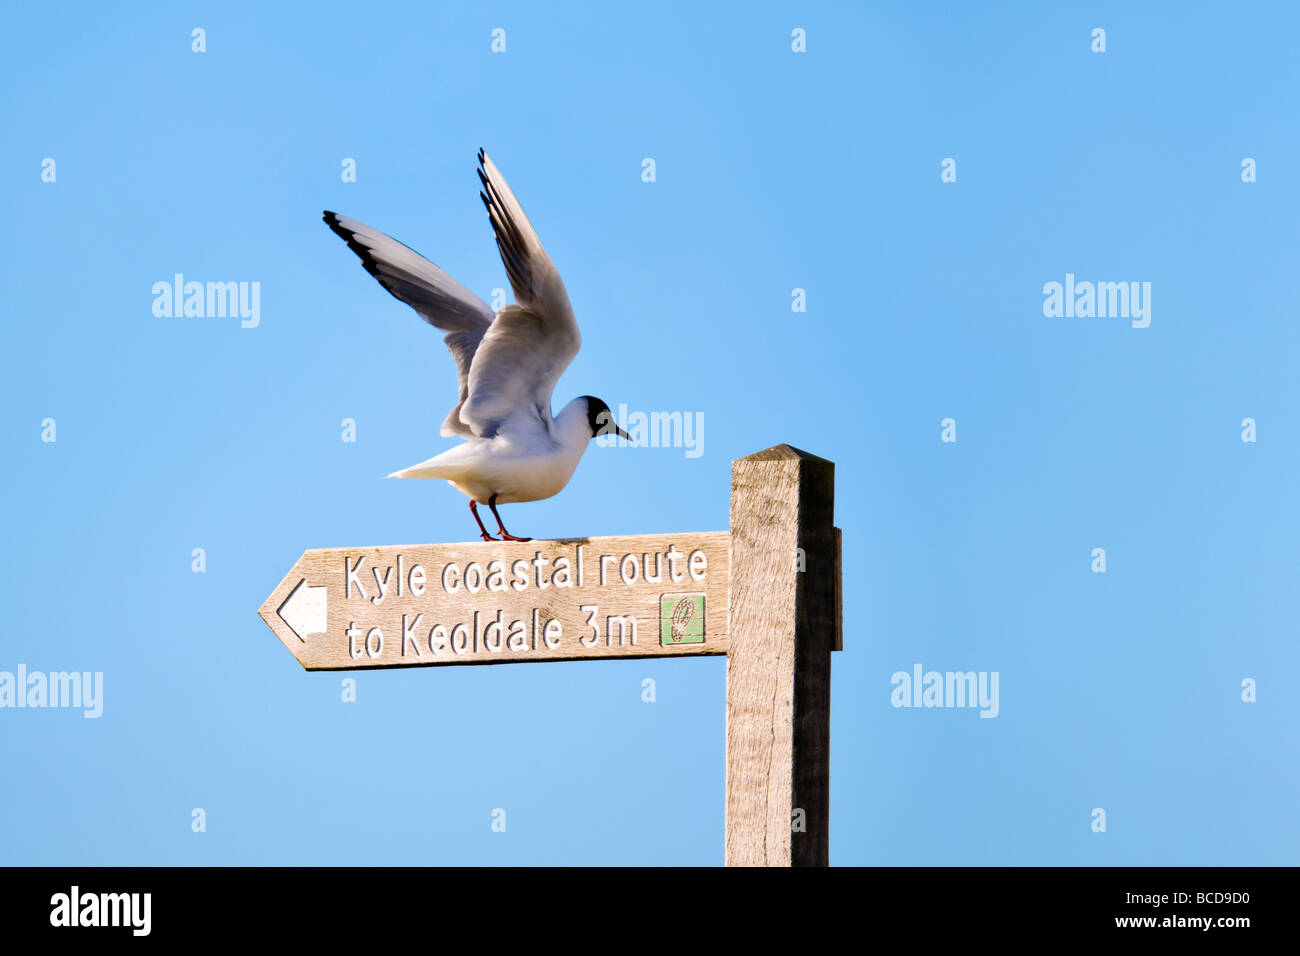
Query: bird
{"x": 507, "y": 362}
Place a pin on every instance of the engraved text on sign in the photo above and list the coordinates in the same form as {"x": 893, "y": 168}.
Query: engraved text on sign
{"x": 497, "y": 602}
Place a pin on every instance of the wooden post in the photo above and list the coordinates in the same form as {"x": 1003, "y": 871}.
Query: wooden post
{"x": 782, "y": 626}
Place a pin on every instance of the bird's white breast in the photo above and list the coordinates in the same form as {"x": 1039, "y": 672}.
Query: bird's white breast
{"x": 514, "y": 474}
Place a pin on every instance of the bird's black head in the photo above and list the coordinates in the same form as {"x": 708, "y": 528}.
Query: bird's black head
{"x": 601, "y": 419}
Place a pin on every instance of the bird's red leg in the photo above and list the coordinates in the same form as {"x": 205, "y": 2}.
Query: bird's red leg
{"x": 505, "y": 535}
{"x": 473, "y": 509}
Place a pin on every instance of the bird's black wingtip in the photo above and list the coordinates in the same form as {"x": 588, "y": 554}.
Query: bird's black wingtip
{"x": 331, "y": 219}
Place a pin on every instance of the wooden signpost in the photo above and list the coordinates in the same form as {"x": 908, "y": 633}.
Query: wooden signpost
{"x": 766, "y": 594}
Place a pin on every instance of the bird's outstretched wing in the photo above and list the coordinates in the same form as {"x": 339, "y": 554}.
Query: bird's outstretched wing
{"x": 530, "y": 344}
{"x": 438, "y": 299}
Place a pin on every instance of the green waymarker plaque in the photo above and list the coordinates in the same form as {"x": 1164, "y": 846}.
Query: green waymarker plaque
{"x": 681, "y": 619}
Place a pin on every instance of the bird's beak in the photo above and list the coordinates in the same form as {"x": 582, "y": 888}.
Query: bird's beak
{"x": 621, "y": 434}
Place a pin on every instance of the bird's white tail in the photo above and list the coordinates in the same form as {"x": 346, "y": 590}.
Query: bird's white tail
{"x": 426, "y": 469}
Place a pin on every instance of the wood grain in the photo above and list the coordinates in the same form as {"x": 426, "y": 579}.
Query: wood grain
{"x": 782, "y": 628}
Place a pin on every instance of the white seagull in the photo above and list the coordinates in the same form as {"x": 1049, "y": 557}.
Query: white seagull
{"x": 507, "y": 364}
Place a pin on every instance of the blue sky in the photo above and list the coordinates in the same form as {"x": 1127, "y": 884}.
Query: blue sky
{"x": 775, "y": 170}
